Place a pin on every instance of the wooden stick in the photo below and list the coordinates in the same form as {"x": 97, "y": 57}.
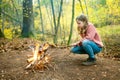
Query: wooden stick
{"x": 64, "y": 46}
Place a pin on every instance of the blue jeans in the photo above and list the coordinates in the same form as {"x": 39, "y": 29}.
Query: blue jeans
{"x": 88, "y": 47}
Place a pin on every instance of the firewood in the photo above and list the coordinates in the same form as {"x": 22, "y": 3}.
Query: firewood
{"x": 30, "y": 59}
{"x": 39, "y": 58}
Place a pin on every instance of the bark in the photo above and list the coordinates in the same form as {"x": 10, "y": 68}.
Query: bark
{"x": 72, "y": 22}
{"x": 1, "y": 21}
{"x": 28, "y": 20}
{"x": 86, "y": 8}
{"x": 41, "y": 19}
{"x": 81, "y": 6}
{"x": 54, "y": 20}
{"x": 58, "y": 24}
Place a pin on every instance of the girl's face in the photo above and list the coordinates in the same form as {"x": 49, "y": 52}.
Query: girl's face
{"x": 80, "y": 24}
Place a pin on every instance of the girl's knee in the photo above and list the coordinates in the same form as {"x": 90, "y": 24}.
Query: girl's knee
{"x": 73, "y": 50}
{"x": 85, "y": 42}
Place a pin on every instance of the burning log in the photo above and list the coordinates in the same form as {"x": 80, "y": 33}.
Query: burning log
{"x": 40, "y": 57}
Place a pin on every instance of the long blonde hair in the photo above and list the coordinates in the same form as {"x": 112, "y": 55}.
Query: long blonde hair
{"x": 84, "y": 19}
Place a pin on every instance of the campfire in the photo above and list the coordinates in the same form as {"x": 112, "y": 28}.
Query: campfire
{"x": 40, "y": 57}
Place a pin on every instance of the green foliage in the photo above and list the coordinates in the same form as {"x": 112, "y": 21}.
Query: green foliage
{"x": 100, "y": 12}
{"x": 103, "y": 12}
{"x": 109, "y": 30}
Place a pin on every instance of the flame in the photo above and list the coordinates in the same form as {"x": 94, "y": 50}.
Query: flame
{"x": 39, "y": 58}
{"x": 46, "y": 59}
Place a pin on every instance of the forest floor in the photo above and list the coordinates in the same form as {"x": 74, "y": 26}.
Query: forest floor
{"x": 65, "y": 65}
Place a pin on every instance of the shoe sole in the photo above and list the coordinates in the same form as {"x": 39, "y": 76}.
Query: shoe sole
{"x": 90, "y": 64}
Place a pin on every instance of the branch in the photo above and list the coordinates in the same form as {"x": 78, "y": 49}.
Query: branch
{"x": 10, "y": 17}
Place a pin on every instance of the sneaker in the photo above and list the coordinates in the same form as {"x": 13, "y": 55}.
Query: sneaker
{"x": 89, "y": 61}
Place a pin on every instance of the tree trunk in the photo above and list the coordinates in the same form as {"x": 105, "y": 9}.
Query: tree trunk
{"x": 86, "y": 8}
{"x": 81, "y": 6}
{"x": 0, "y": 8}
{"x": 41, "y": 19}
{"x": 72, "y": 22}
{"x": 58, "y": 24}
{"x": 53, "y": 12}
{"x": 28, "y": 20}
{"x": 1, "y": 32}
{"x": 49, "y": 17}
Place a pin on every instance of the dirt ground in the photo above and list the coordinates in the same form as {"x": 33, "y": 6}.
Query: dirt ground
{"x": 64, "y": 65}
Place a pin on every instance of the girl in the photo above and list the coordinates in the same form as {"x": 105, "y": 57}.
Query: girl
{"x": 90, "y": 43}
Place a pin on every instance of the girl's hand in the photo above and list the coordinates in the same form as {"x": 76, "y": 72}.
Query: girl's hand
{"x": 74, "y": 44}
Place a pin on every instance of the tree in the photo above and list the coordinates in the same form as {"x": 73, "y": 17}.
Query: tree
{"x": 58, "y": 20}
{"x": 53, "y": 12}
{"x": 41, "y": 19}
{"x": 86, "y": 8}
{"x": 28, "y": 20}
{"x": 81, "y": 6}
{"x": 56, "y": 25}
{"x": 0, "y": 8}
{"x": 48, "y": 14}
{"x": 1, "y": 33}
{"x": 72, "y": 21}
